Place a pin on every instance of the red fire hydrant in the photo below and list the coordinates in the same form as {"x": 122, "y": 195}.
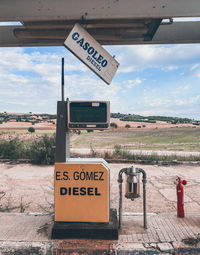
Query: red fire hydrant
{"x": 179, "y": 191}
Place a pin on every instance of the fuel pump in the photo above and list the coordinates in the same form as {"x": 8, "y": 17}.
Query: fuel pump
{"x": 132, "y": 188}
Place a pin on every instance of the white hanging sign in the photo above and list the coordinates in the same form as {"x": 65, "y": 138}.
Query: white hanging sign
{"x": 91, "y": 53}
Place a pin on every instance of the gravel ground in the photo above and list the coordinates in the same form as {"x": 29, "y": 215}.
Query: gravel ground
{"x": 32, "y": 187}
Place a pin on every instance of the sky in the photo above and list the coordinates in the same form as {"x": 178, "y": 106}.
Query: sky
{"x": 151, "y": 80}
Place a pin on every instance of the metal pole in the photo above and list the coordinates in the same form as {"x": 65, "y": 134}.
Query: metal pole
{"x": 120, "y": 180}
{"x": 120, "y": 204}
{"x": 60, "y": 132}
{"x": 144, "y": 203}
{"x": 144, "y": 180}
{"x": 67, "y": 130}
{"x": 62, "y": 81}
{"x": 67, "y": 135}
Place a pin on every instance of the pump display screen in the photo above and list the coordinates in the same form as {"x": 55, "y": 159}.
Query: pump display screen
{"x": 88, "y": 114}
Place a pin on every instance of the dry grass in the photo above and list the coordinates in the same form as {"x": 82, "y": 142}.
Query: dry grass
{"x": 182, "y": 139}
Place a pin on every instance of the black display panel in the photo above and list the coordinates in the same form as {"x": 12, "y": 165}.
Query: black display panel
{"x": 88, "y": 112}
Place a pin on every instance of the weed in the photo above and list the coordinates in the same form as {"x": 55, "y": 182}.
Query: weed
{"x": 8, "y": 204}
{"x": 49, "y": 207}
{"x": 39, "y": 151}
{"x": 23, "y": 206}
{"x": 92, "y": 152}
{"x": 117, "y": 149}
{"x": 151, "y": 158}
{"x": 13, "y": 149}
{"x": 192, "y": 240}
{"x": 42, "y": 151}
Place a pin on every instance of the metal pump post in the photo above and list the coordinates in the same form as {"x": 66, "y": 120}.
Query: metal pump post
{"x": 132, "y": 172}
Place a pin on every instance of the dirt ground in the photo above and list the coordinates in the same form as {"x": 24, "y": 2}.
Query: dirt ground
{"x": 25, "y": 125}
{"x": 158, "y": 124}
{"x": 32, "y": 187}
{"x": 12, "y": 125}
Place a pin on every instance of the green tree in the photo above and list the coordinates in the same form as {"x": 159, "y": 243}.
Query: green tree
{"x": 113, "y": 125}
{"x": 31, "y": 130}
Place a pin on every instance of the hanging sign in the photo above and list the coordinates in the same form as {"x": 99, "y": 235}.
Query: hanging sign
{"x": 91, "y": 53}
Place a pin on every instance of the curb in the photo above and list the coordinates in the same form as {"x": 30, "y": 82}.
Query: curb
{"x": 58, "y": 248}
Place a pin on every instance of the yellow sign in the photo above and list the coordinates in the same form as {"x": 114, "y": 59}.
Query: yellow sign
{"x": 81, "y": 191}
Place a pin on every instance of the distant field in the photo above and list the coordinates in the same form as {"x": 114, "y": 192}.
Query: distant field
{"x": 155, "y": 137}
{"x": 181, "y": 139}
{"x": 25, "y": 131}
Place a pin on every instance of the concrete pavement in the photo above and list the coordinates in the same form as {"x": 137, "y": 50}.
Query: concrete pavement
{"x": 30, "y": 233}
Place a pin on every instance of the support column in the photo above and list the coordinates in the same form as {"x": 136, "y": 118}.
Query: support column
{"x": 61, "y": 131}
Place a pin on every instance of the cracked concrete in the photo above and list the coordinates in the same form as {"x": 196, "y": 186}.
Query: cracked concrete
{"x": 163, "y": 236}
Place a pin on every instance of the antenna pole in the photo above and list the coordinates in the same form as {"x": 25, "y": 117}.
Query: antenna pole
{"x": 62, "y": 81}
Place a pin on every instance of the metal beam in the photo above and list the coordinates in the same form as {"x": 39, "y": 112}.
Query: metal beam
{"x": 54, "y": 31}
{"x": 8, "y": 39}
{"x": 178, "y": 32}
{"x": 32, "y": 10}
{"x": 88, "y": 24}
{"x": 109, "y": 34}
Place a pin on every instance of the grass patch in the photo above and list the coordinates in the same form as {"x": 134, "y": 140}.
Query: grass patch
{"x": 40, "y": 151}
{"x": 120, "y": 155}
{"x": 13, "y": 149}
{"x": 153, "y": 157}
{"x": 152, "y": 139}
{"x": 25, "y": 131}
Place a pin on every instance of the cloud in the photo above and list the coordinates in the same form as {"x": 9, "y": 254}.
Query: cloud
{"x": 17, "y": 59}
{"x": 168, "y": 106}
{"x": 86, "y": 87}
{"x": 181, "y": 89}
{"x": 169, "y": 68}
{"x": 197, "y": 73}
{"x": 186, "y": 19}
{"x": 30, "y": 80}
{"x": 195, "y": 66}
{"x": 131, "y": 83}
{"x": 15, "y": 23}
{"x": 188, "y": 102}
{"x": 168, "y": 58}
{"x": 185, "y": 87}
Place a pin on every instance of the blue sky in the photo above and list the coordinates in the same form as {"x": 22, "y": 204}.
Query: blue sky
{"x": 151, "y": 80}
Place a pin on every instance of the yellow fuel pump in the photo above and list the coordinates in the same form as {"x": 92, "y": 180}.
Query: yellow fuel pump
{"x": 81, "y": 185}
{"x": 82, "y": 191}
{"x": 82, "y": 200}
